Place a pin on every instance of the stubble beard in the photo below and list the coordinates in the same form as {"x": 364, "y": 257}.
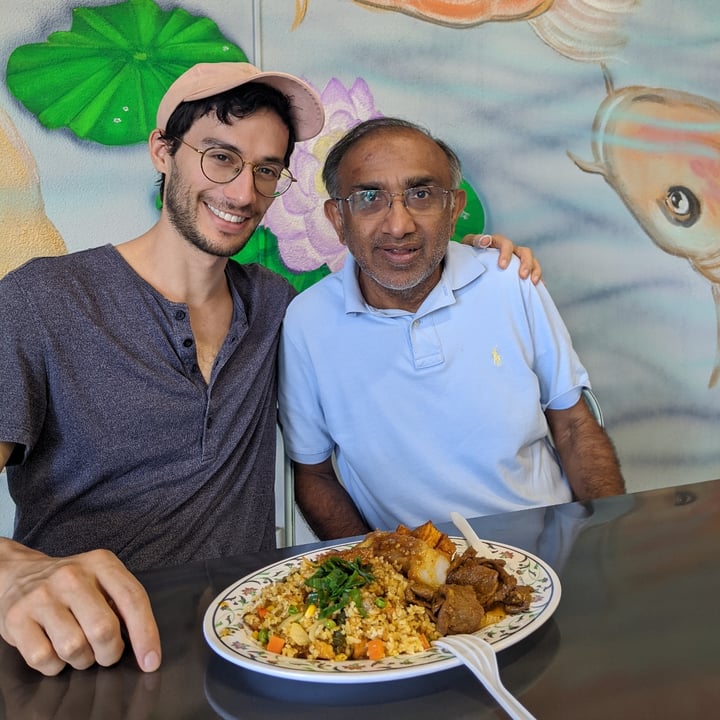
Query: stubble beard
{"x": 183, "y": 218}
{"x": 412, "y": 285}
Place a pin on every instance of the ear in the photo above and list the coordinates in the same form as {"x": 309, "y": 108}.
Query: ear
{"x": 459, "y": 206}
{"x": 334, "y": 214}
{"x": 159, "y": 154}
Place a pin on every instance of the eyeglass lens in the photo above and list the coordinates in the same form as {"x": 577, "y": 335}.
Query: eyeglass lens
{"x": 223, "y": 166}
{"x": 425, "y": 199}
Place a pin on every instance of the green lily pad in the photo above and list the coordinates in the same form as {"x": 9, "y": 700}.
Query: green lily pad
{"x": 262, "y": 248}
{"x": 472, "y": 218}
{"x": 104, "y": 78}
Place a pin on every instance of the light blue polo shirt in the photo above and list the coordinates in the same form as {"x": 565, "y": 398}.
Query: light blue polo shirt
{"x": 437, "y": 410}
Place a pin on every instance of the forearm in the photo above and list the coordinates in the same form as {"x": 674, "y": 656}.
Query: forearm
{"x": 593, "y": 469}
{"x": 587, "y": 456}
{"x": 325, "y": 503}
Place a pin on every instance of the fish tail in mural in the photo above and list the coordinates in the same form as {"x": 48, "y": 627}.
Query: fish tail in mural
{"x": 25, "y": 230}
{"x": 659, "y": 150}
{"x": 585, "y": 30}
{"x": 300, "y": 11}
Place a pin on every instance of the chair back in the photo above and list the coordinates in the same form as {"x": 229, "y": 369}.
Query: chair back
{"x": 594, "y": 405}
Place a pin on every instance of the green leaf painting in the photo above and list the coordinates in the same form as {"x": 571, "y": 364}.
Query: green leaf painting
{"x": 262, "y": 248}
{"x": 104, "y": 78}
{"x": 472, "y": 218}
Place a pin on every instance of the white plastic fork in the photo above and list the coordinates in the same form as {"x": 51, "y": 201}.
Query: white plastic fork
{"x": 479, "y": 656}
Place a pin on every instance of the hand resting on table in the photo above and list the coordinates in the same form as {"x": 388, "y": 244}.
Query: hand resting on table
{"x": 69, "y": 611}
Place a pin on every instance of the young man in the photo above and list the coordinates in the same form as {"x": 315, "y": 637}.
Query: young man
{"x": 138, "y": 382}
{"x": 436, "y": 380}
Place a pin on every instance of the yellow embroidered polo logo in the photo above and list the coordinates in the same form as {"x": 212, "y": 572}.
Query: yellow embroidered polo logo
{"x": 497, "y": 358}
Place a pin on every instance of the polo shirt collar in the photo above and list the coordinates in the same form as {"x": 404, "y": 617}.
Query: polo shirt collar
{"x": 462, "y": 265}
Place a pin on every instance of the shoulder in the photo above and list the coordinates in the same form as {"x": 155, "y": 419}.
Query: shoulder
{"x": 46, "y": 272}
{"x": 260, "y": 287}
{"x": 62, "y": 262}
{"x": 323, "y": 295}
{"x": 477, "y": 270}
{"x": 242, "y": 274}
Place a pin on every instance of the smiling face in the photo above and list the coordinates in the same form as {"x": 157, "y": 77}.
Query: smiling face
{"x": 399, "y": 254}
{"x": 220, "y": 218}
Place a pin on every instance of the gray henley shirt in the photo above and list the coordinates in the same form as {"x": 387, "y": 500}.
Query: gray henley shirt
{"x": 121, "y": 443}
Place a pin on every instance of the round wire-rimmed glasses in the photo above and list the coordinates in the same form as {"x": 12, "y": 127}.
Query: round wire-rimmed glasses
{"x": 419, "y": 200}
{"x": 222, "y": 165}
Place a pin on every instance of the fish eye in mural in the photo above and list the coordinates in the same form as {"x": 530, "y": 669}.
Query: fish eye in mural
{"x": 659, "y": 149}
{"x": 103, "y": 79}
{"x": 582, "y": 30}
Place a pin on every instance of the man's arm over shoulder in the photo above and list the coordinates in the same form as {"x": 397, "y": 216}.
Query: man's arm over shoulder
{"x": 325, "y": 503}
{"x": 529, "y": 264}
{"x": 586, "y": 452}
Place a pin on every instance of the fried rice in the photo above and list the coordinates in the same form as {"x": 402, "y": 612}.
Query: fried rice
{"x": 384, "y": 624}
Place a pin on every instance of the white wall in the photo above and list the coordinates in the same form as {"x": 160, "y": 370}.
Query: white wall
{"x": 7, "y": 508}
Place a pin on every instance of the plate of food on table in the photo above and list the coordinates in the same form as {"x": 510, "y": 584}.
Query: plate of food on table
{"x": 369, "y": 611}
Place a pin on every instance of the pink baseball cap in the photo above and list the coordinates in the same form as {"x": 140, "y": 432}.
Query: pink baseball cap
{"x": 206, "y": 79}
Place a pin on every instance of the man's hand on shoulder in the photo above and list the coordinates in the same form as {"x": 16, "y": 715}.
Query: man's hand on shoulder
{"x": 69, "y": 611}
{"x": 529, "y": 264}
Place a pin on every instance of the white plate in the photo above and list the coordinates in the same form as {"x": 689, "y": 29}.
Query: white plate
{"x": 227, "y": 635}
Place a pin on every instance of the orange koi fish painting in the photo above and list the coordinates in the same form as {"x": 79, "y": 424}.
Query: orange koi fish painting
{"x": 582, "y": 30}
{"x": 659, "y": 149}
{"x": 463, "y": 13}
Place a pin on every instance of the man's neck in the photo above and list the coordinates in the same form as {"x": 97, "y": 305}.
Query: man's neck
{"x": 175, "y": 268}
{"x": 185, "y": 274}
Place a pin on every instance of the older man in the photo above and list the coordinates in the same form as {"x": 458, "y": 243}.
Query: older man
{"x": 436, "y": 379}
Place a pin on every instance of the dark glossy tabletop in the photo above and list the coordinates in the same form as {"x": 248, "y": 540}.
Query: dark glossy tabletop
{"x": 636, "y": 634}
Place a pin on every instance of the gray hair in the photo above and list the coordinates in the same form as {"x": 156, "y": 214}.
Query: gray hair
{"x": 377, "y": 125}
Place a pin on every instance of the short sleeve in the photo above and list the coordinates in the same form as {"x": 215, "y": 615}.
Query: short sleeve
{"x": 22, "y": 380}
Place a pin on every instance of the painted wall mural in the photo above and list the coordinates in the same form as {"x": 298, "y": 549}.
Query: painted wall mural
{"x": 540, "y": 97}
{"x": 103, "y": 79}
{"x": 25, "y": 229}
{"x": 659, "y": 149}
{"x": 584, "y": 30}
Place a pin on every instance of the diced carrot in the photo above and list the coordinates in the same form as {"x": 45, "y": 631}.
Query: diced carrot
{"x": 424, "y": 641}
{"x": 262, "y": 612}
{"x": 275, "y": 644}
{"x": 375, "y": 649}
